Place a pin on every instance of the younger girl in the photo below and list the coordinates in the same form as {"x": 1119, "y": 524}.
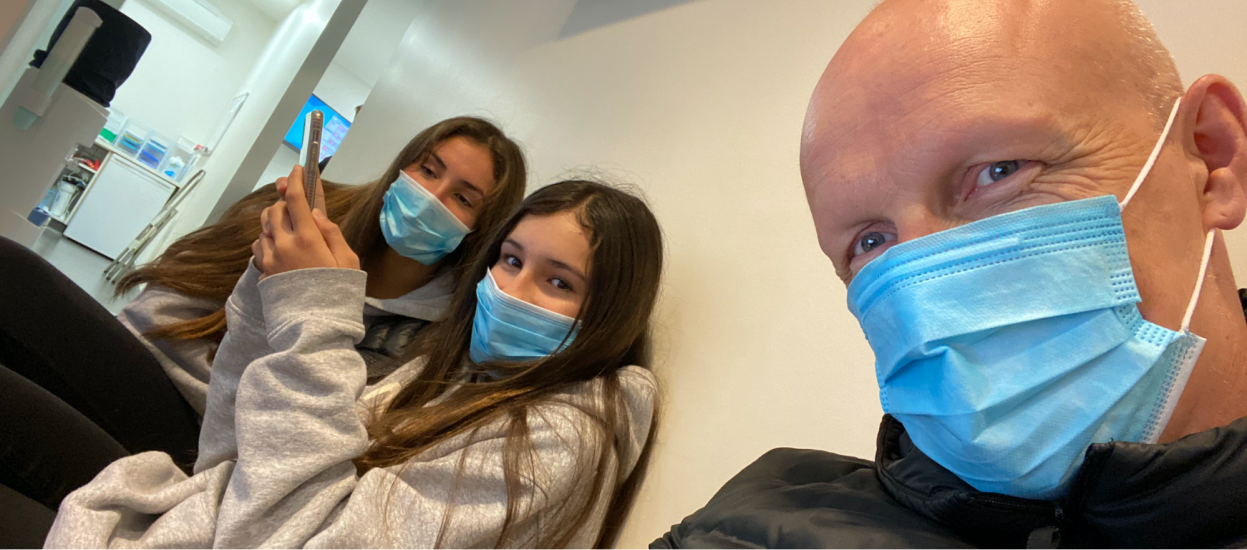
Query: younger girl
{"x": 520, "y": 424}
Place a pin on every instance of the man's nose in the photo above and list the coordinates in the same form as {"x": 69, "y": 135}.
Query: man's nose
{"x": 917, "y": 221}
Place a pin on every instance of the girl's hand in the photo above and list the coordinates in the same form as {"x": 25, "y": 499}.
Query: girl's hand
{"x": 293, "y": 236}
{"x": 283, "y": 183}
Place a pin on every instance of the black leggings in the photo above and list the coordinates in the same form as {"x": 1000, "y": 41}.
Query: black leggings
{"x": 43, "y": 464}
{"x": 61, "y": 340}
{"x": 47, "y": 449}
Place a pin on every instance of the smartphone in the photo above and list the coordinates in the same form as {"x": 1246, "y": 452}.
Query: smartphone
{"x": 312, "y": 125}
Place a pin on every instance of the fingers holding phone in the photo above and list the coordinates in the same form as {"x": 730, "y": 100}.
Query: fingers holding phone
{"x": 309, "y": 152}
{"x": 294, "y": 237}
{"x": 296, "y": 232}
{"x": 293, "y": 240}
{"x": 297, "y": 174}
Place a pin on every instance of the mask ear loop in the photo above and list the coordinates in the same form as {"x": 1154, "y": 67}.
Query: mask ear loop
{"x": 1199, "y": 283}
{"x": 1151, "y": 160}
{"x": 1212, "y": 233}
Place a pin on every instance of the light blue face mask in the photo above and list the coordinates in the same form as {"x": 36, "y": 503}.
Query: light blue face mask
{"x": 1009, "y": 345}
{"x": 416, "y": 224}
{"x": 510, "y": 329}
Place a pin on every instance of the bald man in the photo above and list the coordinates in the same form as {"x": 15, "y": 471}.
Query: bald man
{"x": 1026, "y": 207}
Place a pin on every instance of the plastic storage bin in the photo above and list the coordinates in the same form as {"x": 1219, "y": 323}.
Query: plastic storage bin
{"x": 178, "y": 160}
{"x": 153, "y": 152}
{"x": 112, "y": 128}
{"x": 132, "y": 137}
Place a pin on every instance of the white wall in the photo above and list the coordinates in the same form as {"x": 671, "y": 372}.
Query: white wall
{"x": 12, "y": 13}
{"x": 701, "y": 104}
{"x": 368, "y": 47}
{"x": 342, "y": 91}
{"x": 183, "y": 86}
{"x": 32, "y": 33}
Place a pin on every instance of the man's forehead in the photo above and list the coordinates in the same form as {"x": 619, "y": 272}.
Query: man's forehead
{"x": 854, "y": 132}
{"x": 915, "y": 70}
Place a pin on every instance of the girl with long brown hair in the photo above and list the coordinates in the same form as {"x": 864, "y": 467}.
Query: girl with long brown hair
{"x": 521, "y": 420}
{"x": 142, "y": 384}
{"x": 474, "y": 170}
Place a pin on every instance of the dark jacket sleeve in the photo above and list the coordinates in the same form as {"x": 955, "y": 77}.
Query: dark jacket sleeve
{"x": 793, "y": 498}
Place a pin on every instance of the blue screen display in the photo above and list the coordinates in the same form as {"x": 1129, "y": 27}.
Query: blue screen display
{"x": 334, "y": 130}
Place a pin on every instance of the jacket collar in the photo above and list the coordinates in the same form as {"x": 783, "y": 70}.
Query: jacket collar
{"x": 1192, "y": 492}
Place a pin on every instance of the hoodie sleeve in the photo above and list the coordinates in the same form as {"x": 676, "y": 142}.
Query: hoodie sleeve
{"x": 244, "y": 342}
{"x": 294, "y": 482}
{"x": 187, "y": 363}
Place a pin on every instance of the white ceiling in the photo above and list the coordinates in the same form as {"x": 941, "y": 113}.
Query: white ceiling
{"x": 367, "y": 49}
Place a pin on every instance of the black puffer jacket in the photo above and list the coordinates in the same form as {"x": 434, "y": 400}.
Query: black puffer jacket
{"x": 1190, "y": 493}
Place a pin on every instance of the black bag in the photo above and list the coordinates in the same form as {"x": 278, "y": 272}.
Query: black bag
{"x": 109, "y": 56}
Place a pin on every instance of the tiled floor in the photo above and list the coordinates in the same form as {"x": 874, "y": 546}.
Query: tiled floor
{"x": 82, "y": 265}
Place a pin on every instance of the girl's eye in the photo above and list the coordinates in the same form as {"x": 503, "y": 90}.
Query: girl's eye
{"x": 561, "y": 284}
{"x": 512, "y": 261}
{"x": 872, "y": 241}
{"x": 428, "y": 172}
{"x": 463, "y": 200}
{"x": 997, "y": 171}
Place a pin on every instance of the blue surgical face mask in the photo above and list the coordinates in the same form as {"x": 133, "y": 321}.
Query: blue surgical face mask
{"x": 1009, "y": 345}
{"x": 416, "y": 224}
{"x": 509, "y": 329}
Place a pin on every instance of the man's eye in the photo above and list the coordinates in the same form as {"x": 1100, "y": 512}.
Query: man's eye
{"x": 997, "y": 171}
{"x": 871, "y": 241}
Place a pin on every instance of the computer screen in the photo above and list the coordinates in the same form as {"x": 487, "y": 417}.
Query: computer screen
{"x": 335, "y": 128}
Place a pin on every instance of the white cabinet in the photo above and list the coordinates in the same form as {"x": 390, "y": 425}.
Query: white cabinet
{"x": 122, "y": 199}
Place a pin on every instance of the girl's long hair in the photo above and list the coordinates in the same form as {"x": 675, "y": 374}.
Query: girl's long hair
{"x": 208, "y": 262}
{"x": 625, "y": 268}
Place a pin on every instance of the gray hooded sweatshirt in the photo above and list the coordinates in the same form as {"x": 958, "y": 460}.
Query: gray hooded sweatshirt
{"x": 285, "y": 415}
{"x": 188, "y": 363}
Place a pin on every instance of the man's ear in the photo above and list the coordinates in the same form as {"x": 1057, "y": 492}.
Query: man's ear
{"x": 1219, "y": 137}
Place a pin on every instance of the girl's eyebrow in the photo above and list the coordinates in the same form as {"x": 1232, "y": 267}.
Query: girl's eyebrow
{"x": 442, "y": 166}
{"x": 562, "y": 265}
{"x": 555, "y": 263}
